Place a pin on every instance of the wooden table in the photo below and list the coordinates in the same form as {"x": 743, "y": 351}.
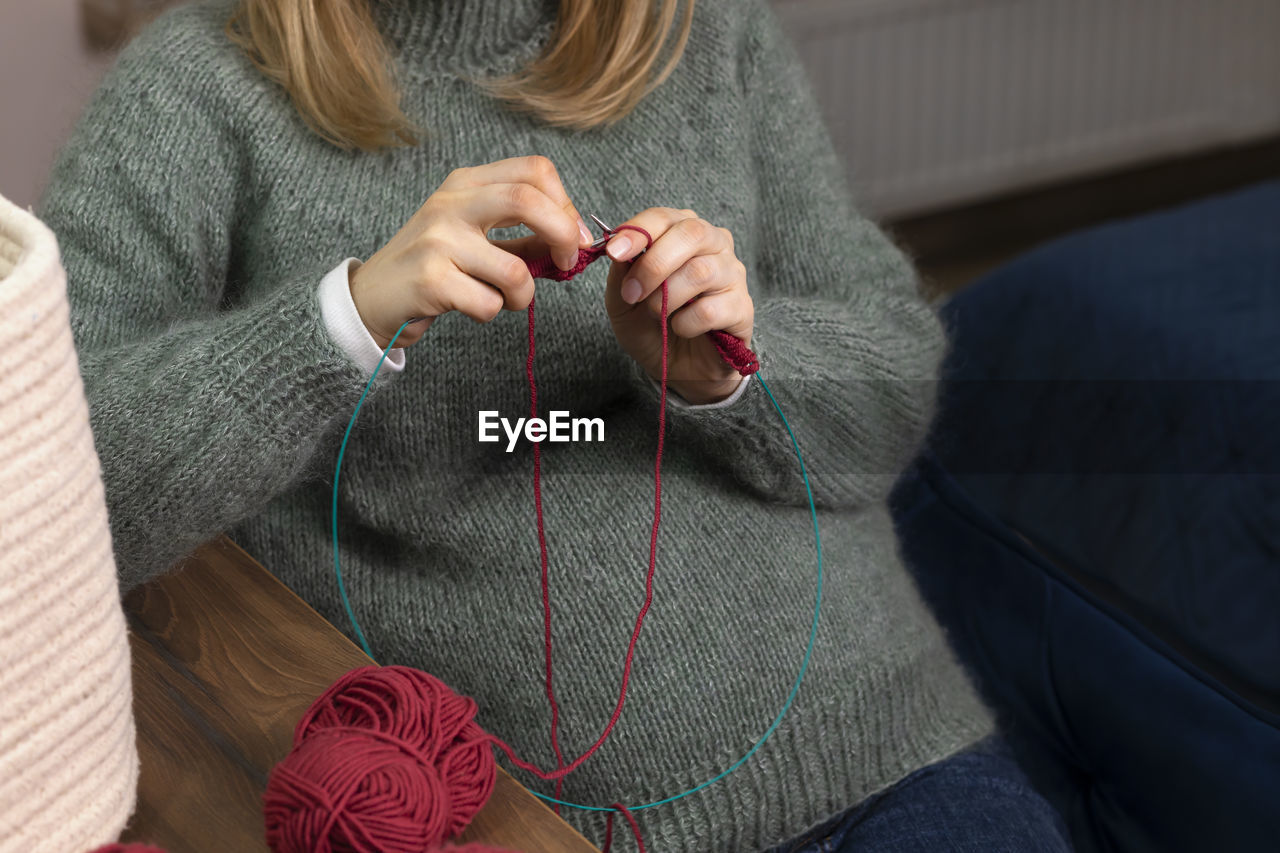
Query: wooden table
{"x": 225, "y": 661}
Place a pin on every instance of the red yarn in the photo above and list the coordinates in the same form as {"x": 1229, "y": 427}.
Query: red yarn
{"x": 542, "y": 554}
{"x": 608, "y": 828}
{"x": 388, "y": 759}
{"x": 537, "y": 269}
{"x": 735, "y": 353}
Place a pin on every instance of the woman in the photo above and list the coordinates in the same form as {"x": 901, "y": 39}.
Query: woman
{"x": 248, "y": 220}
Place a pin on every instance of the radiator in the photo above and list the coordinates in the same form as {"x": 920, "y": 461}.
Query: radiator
{"x": 934, "y": 103}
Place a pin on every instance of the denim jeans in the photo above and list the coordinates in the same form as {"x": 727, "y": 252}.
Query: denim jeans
{"x": 977, "y": 801}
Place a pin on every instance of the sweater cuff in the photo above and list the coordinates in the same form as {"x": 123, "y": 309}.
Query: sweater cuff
{"x": 676, "y": 401}
{"x": 343, "y": 322}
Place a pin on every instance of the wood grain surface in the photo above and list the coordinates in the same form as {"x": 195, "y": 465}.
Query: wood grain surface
{"x": 225, "y": 661}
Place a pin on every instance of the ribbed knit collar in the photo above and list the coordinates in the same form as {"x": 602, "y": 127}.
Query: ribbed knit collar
{"x": 476, "y": 37}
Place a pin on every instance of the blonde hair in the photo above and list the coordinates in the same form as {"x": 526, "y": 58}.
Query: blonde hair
{"x": 332, "y": 60}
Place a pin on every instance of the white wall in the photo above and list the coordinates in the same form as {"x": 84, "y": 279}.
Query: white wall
{"x": 931, "y": 102}
{"x": 935, "y": 103}
{"x": 46, "y": 76}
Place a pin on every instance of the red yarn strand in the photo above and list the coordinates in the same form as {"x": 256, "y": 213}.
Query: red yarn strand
{"x": 734, "y": 352}
{"x": 542, "y": 556}
{"x": 608, "y": 828}
{"x": 585, "y": 257}
{"x": 562, "y": 771}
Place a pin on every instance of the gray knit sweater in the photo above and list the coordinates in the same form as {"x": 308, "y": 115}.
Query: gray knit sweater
{"x": 197, "y": 215}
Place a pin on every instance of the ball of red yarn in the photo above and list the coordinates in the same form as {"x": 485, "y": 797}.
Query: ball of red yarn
{"x": 388, "y": 759}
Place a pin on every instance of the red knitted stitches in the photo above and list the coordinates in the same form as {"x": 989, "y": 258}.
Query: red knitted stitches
{"x": 545, "y": 267}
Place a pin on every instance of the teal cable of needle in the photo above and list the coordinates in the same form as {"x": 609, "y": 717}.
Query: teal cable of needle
{"x": 813, "y": 628}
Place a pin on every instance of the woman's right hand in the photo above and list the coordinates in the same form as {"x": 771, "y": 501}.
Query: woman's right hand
{"x": 442, "y": 259}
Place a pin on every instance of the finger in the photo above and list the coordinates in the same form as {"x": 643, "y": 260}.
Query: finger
{"x": 529, "y": 247}
{"x": 544, "y": 175}
{"x": 701, "y": 275}
{"x": 467, "y": 295}
{"x": 681, "y": 240}
{"x": 537, "y": 171}
{"x": 501, "y": 270}
{"x": 730, "y": 311}
{"x": 627, "y": 244}
{"x": 504, "y": 204}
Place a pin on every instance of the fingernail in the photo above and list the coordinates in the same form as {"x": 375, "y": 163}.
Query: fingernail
{"x": 584, "y": 231}
{"x": 630, "y": 291}
{"x": 619, "y": 247}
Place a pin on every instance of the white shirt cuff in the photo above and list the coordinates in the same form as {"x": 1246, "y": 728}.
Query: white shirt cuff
{"x": 676, "y": 401}
{"x": 345, "y": 326}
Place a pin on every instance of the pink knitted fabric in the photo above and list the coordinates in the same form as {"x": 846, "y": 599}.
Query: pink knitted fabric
{"x": 68, "y": 761}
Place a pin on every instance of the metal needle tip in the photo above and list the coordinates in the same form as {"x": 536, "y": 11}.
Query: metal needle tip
{"x": 604, "y": 238}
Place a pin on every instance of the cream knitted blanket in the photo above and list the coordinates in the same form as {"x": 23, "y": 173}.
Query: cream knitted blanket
{"x": 68, "y": 759}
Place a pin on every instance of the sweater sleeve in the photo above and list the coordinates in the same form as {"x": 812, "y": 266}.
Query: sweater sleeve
{"x": 846, "y": 341}
{"x": 201, "y": 412}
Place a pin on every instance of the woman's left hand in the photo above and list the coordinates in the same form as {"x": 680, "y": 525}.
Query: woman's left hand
{"x": 706, "y": 290}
